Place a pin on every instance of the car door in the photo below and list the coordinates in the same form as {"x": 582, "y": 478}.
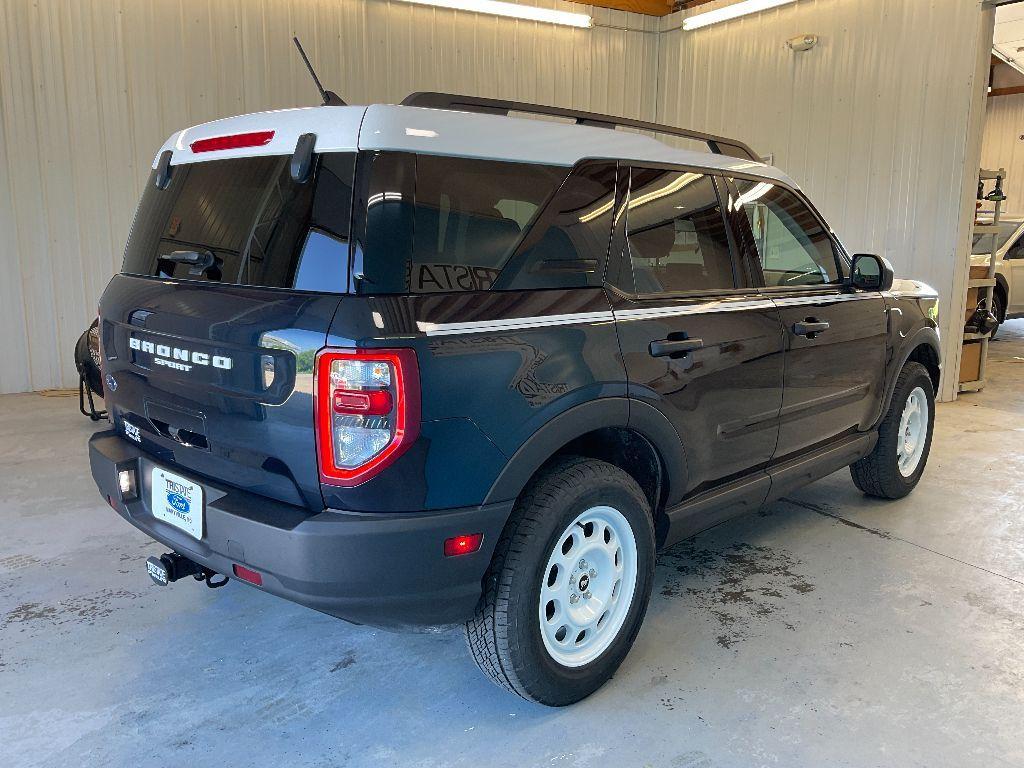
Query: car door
{"x": 835, "y": 335}
{"x": 699, "y": 342}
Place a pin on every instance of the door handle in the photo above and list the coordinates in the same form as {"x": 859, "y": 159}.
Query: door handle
{"x": 674, "y": 347}
{"x": 810, "y": 327}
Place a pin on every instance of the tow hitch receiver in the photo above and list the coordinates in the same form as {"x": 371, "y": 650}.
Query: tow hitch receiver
{"x": 172, "y": 566}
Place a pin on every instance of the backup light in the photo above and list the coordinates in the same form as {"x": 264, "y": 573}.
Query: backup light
{"x": 126, "y": 483}
{"x": 731, "y": 12}
{"x": 232, "y": 141}
{"x": 512, "y": 10}
{"x": 367, "y": 407}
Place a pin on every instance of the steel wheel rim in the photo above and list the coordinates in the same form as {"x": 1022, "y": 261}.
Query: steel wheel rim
{"x": 913, "y": 432}
{"x": 587, "y": 586}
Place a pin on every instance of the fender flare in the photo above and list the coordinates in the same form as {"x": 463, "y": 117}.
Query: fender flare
{"x": 926, "y": 335}
{"x": 577, "y": 421}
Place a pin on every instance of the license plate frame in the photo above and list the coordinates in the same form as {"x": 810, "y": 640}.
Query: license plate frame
{"x": 178, "y": 501}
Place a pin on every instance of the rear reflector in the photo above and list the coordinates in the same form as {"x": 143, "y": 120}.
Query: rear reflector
{"x": 233, "y": 141}
{"x": 463, "y": 545}
{"x": 246, "y": 574}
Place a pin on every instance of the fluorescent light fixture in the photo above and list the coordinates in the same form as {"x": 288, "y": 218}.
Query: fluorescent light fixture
{"x": 731, "y": 12}
{"x": 512, "y": 10}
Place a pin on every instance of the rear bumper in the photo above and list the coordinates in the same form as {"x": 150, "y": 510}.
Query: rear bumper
{"x": 386, "y": 570}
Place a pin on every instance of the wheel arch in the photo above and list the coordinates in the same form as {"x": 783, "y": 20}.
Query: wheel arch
{"x": 633, "y": 436}
{"x": 922, "y": 347}
{"x": 1003, "y": 288}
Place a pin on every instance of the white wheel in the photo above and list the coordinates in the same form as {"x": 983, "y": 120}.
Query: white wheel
{"x": 568, "y": 585}
{"x": 588, "y": 586}
{"x": 913, "y": 432}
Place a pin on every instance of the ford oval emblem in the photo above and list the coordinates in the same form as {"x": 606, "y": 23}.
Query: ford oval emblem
{"x": 179, "y": 502}
{"x": 111, "y": 382}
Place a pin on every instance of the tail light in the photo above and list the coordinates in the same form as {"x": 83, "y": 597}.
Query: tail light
{"x": 233, "y": 141}
{"x": 367, "y": 411}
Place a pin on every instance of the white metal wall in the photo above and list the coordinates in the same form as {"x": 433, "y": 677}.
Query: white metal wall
{"x": 873, "y": 122}
{"x": 89, "y": 89}
{"x": 1004, "y": 146}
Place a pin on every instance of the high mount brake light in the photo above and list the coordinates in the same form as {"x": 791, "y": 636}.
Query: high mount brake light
{"x": 232, "y": 141}
{"x": 367, "y": 405}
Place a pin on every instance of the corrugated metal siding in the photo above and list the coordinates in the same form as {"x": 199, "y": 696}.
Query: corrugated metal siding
{"x": 873, "y": 122}
{"x": 869, "y": 122}
{"x": 1004, "y": 148}
{"x": 89, "y": 89}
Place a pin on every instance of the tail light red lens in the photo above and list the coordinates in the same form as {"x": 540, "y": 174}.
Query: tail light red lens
{"x": 367, "y": 411}
{"x": 233, "y": 141}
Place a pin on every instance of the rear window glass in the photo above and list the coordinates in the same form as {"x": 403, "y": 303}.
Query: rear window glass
{"x": 440, "y": 224}
{"x": 246, "y": 221}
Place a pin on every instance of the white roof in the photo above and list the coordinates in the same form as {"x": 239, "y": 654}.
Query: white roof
{"x": 446, "y": 132}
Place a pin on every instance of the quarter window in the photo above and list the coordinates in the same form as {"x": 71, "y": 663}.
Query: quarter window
{"x": 439, "y": 224}
{"x": 568, "y": 241}
{"x": 793, "y": 246}
{"x": 676, "y": 233}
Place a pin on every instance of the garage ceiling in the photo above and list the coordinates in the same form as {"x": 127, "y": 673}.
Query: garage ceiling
{"x": 1008, "y": 41}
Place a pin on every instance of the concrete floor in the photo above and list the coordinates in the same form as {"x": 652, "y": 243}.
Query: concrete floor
{"x": 828, "y": 630}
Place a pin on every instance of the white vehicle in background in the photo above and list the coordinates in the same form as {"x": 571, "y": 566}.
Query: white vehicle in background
{"x": 1007, "y": 301}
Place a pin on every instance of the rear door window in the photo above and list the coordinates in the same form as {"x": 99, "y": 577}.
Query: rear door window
{"x": 676, "y": 233}
{"x": 246, "y": 221}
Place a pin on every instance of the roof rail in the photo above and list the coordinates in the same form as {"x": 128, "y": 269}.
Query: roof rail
{"x": 719, "y": 145}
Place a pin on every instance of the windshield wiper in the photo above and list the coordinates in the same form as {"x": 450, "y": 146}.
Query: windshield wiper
{"x": 198, "y": 262}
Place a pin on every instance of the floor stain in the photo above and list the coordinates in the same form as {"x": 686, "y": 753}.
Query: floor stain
{"x": 13, "y": 562}
{"x": 81, "y": 609}
{"x": 821, "y": 510}
{"x": 346, "y": 661}
{"x": 738, "y": 587}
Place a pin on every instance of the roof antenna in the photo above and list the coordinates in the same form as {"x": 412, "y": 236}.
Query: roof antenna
{"x": 331, "y": 99}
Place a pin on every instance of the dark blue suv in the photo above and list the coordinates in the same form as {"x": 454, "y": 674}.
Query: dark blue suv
{"x": 429, "y": 364}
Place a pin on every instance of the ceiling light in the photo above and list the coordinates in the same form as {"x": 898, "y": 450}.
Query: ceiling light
{"x": 512, "y": 10}
{"x": 731, "y": 12}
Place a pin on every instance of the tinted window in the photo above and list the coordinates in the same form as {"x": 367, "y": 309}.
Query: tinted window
{"x": 676, "y": 233}
{"x": 982, "y": 244}
{"x": 245, "y": 221}
{"x": 436, "y": 224}
{"x": 793, "y": 246}
{"x": 568, "y": 242}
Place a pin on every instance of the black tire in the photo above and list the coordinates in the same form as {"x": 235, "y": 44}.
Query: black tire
{"x": 878, "y": 473}
{"x": 998, "y": 308}
{"x": 504, "y": 636}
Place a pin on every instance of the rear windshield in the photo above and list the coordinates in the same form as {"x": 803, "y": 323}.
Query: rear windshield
{"x": 246, "y": 221}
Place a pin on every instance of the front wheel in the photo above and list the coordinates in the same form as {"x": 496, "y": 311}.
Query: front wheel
{"x": 997, "y": 309}
{"x": 894, "y": 467}
{"x": 569, "y": 584}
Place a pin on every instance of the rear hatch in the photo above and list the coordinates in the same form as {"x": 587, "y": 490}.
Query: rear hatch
{"x": 231, "y": 277}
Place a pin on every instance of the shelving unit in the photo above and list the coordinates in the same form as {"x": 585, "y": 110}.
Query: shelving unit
{"x": 984, "y": 285}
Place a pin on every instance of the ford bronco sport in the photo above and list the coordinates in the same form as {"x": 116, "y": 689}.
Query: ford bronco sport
{"x": 432, "y": 364}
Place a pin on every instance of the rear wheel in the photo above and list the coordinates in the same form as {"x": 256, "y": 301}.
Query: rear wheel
{"x": 894, "y": 467}
{"x": 568, "y": 586}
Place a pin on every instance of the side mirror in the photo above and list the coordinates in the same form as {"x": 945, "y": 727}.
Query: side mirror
{"x": 871, "y": 272}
